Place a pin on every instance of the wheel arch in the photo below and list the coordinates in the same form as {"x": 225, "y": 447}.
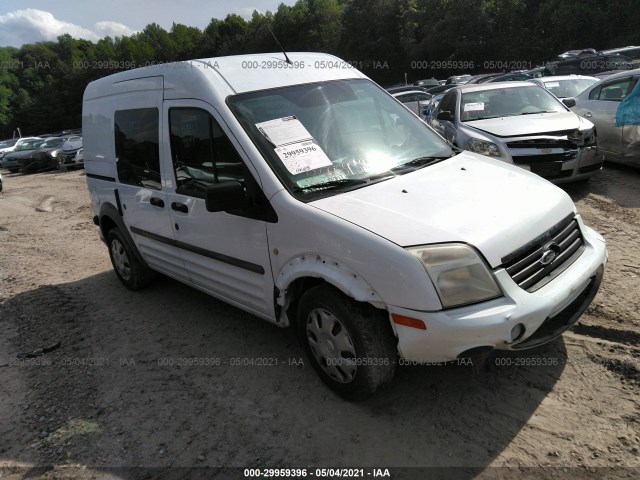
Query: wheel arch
{"x": 306, "y": 271}
{"x": 110, "y": 218}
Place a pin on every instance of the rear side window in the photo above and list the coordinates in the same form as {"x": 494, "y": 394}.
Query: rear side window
{"x": 137, "y": 151}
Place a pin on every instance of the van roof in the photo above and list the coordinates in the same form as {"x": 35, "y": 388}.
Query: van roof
{"x": 226, "y": 76}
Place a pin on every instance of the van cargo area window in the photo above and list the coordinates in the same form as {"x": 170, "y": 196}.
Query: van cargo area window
{"x": 137, "y": 152}
{"x": 201, "y": 152}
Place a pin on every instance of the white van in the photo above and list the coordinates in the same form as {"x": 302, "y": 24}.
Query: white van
{"x": 302, "y": 192}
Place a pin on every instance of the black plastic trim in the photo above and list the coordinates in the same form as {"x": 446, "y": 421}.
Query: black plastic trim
{"x": 236, "y": 262}
{"x": 119, "y": 205}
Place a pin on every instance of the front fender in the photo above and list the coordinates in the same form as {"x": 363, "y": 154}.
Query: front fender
{"x": 329, "y": 269}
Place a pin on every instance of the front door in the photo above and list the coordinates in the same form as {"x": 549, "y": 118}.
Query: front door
{"x": 225, "y": 253}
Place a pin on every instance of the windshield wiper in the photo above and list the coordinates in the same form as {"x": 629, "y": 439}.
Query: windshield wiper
{"x": 420, "y": 162}
{"x": 342, "y": 182}
{"x": 541, "y": 111}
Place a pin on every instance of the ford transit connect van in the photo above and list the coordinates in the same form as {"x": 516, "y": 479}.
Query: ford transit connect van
{"x": 302, "y": 192}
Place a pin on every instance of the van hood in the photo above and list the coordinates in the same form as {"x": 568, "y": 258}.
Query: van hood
{"x": 522, "y": 125}
{"x": 489, "y": 204}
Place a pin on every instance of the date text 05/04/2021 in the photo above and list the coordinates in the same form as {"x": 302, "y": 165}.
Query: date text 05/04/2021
{"x": 317, "y": 472}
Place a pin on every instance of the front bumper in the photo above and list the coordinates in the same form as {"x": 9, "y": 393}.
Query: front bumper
{"x": 544, "y": 314}
{"x": 587, "y": 161}
{"x": 71, "y": 159}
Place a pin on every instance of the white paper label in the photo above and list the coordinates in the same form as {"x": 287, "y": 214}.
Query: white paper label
{"x": 284, "y": 131}
{"x": 474, "y": 107}
{"x": 303, "y": 157}
{"x": 552, "y": 84}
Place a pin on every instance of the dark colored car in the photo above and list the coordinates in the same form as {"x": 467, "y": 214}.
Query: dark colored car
{"x": 575, "y": 53}
{"x": 13, "y": 161}
{"x": 590, "y": 63}
{"x": 45, "y": 157}
{"x": 631, "y": 52}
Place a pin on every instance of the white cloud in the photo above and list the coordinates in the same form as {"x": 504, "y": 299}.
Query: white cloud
{"x": 112, "y": 29}
{"x": 31, "y": 25}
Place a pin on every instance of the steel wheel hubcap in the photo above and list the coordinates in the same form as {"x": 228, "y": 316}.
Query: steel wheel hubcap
{"x": 120, "y": 259}
{"x": 331, "y": 345}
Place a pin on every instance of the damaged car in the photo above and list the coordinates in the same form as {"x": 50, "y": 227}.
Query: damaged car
{"x": 522, "y": 124}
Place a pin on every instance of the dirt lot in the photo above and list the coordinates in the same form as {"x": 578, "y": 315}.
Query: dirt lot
{"x": 116, "y": 392}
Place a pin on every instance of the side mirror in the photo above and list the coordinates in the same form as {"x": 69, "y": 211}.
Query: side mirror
{"x": 445, "y": 115}
{"x": 225, "y": 196}
{"x": 569, "y": 102}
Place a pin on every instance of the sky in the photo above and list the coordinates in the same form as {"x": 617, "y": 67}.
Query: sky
{"x": 30, "y": 21}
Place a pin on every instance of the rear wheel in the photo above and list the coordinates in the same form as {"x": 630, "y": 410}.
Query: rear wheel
{"x": 350, "y": 344}
{"x": 132, "y": 273}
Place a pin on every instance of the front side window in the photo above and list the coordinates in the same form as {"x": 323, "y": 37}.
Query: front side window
{"x": 201, "y": 152}
{"x": 615, "y": 92}
{"x": 137, "y": 152}
{"x": 328, "y": 137}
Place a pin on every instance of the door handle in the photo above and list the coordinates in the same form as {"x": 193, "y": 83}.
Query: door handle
{"x": 179, "y": 207}
{"x": 156, "y": 202}
{"x": 588, "y": 115}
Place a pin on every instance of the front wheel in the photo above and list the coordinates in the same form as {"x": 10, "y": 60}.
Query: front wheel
{"x": 350, "y": 344}
{"x": 132, "y": 273}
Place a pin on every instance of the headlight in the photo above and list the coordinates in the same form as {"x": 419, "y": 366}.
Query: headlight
{"x": 590, "y": 137}
{"x": 55, "y": 153}
{"x": 483, "y": 147}
{"x": 458, "y": 273}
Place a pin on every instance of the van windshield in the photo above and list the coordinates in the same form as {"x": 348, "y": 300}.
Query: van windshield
{"x": 328, "y": 137}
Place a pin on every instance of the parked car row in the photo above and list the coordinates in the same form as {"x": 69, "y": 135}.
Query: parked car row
{"x": 31, "y": 154}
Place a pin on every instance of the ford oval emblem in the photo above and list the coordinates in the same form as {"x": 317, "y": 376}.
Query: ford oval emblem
{"x": 549, "y": 253}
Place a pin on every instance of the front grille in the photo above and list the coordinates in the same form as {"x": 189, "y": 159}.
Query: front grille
{"x": 525, "y": 264}
{"x": 542, "y": 143}
{"x": 551, "y": 157}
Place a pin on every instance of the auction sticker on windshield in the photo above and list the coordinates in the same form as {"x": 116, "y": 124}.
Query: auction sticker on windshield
{"x": 303, "y": 157}
{"x": 294, "y": 144}
{"x": 474, "y": 107}
{"x": 284, "y": 131}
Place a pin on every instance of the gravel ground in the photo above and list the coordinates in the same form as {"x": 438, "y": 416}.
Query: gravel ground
{"x": 115, "y": 388}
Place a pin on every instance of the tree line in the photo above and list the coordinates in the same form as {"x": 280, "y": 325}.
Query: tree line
{"x": 41, "y": 84}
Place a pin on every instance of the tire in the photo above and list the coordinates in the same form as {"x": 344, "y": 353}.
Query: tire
{"x": 0, "y": 184}
{"x": 333, "y": 328}
{"x": 14, "y": 170}
{"x": 132, "y": 273}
